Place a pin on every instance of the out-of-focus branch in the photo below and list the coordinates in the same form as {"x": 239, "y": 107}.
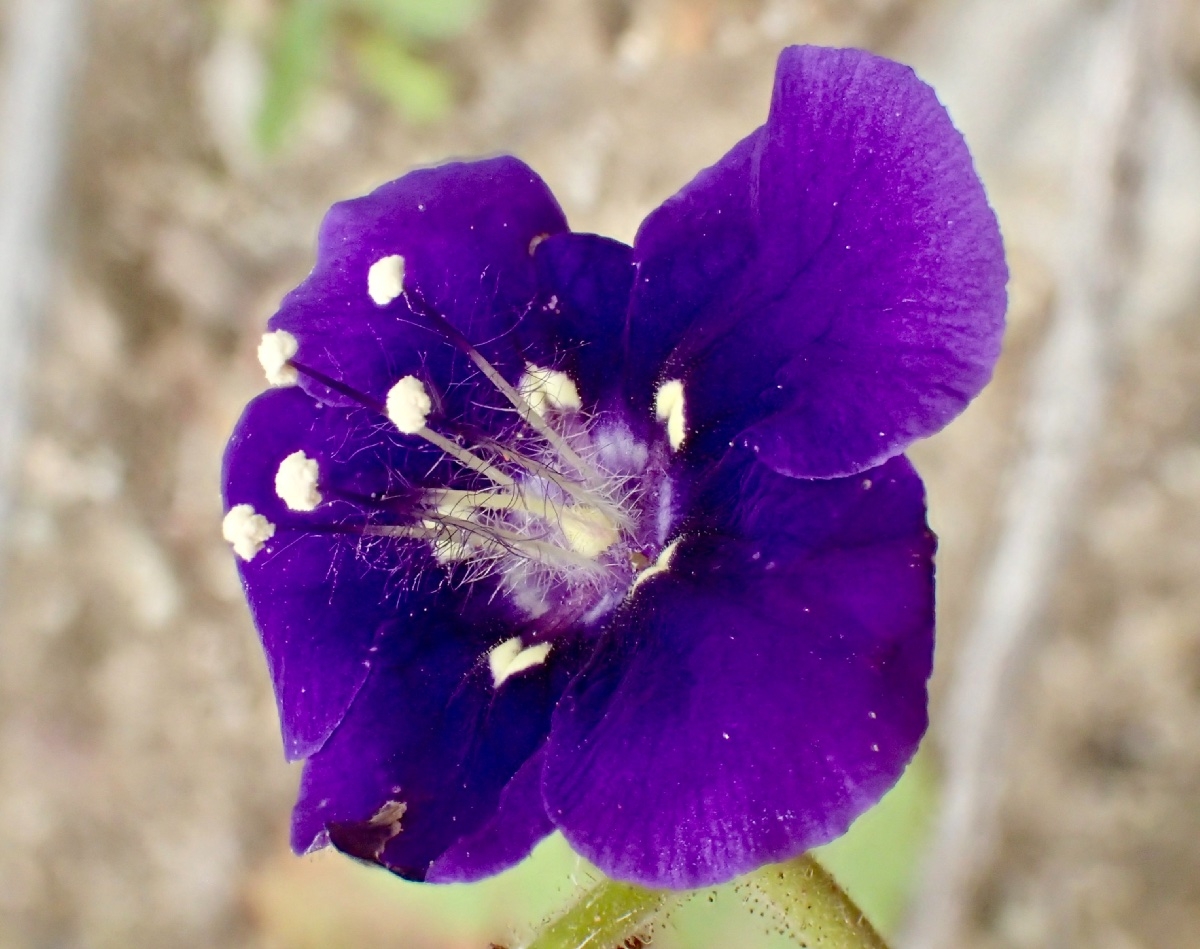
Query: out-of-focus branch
{"x": 1070, "y": 385}
{"x": 43, "y": 38}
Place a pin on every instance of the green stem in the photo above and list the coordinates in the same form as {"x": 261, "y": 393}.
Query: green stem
{"x": 815, "y": 910}
{"x": 608, "y": 915}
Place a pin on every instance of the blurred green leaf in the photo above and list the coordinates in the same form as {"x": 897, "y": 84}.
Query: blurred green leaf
{"x": 298, "y": 57}
{"x": 875, "y": 862}
{"x": 419, "y": 89}
{"x": 422, "y": 20}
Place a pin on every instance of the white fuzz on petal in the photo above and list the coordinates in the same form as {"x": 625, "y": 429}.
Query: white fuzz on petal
{"x": 246, "y": 530}
{"x": 509, "y": 658}
{"x": 385, "y": 279}
{"x": 661, "y": 565}
{"x": 548, "y": 388}
{"x": 409, "y": 405}
{"x": 296, "y": 482}
{"x": 274, "y": 351}
{"x": 668, "y": 406}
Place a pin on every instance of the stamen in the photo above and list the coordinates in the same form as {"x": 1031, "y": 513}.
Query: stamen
{"x": 661, "y": 565}
{"x": 548, "y": 389}
{"x": 668, "y": 406}
{"x": 538, "y": 551}
{"x": 454, "y": 544}
{"x": 573, "y": 488}
{"x": 532, "y": 509}
{"x": 450, "y": 501}
{"x": 340, "y": 388}
{"x": 530, "y": 416}
{"x": 426, "y": 531}
{"x": 385, "y": 279}
{"x": 447, "y": 551}
{"x": 524, "y": 409}
{"x": 274, "y": 352}
{"x": 296, "y": 482}
{"x": 444, "y": 532}
{"x": 246, "y": 530}
{"x": 587, "y": 530}
{"x": 409, "y": 405}
{"x": 464, "y": 457}
{"x": 509, "y": 658}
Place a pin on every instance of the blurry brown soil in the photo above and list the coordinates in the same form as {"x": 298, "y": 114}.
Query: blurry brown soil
{"x": 1103, "y": 812}
{"x": 142, "y": 792}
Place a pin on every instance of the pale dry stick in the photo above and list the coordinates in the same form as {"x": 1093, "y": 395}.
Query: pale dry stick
{"x": 41, "y": 50}
{"x": 1071, "y": 381}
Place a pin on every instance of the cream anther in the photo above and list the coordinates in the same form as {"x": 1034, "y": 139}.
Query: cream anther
{"x": 548, "y": 389}
{"x": 409, "y": 405}
{"x": 668, "y": 406}
{"x": 385, "y": 279}
{"x": 587, "y": 530}
{"x": 449, "y": 546}
{"x": 509, "y": 658}
{"x": 447, "y": 551}
{"x": 661, "y": 565}
{"x": 274, "y": 351}
{"x": 247, "y": 531}
{"x": 296, "y": 482}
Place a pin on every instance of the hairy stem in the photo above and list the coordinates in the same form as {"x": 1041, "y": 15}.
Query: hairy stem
{"x": 807, "y": 901}
{"x": 815, "y": 910}
{"x": 607, "y": 916}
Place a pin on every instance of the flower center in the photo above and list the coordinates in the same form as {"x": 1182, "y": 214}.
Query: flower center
{"x": 559, "y": 509}
{"x": 569, "y": 511}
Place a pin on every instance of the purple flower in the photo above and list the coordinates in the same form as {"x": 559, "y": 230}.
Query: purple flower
{"x": 543, "y": 531}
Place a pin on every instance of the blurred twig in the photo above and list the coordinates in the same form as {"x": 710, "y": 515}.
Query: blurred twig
{"x": 1070, "y": 386}
{"x": 43, "y": 37}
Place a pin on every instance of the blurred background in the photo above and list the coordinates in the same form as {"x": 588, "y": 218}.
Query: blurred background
{"x": 165, "y": 165}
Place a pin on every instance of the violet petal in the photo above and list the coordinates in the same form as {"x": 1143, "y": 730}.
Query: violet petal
{"x": 834, "y": 288}
{"x": 425, "y": 752}
{"x": 760, "y": 694}
{"x": 318, "y": 599}
{"x": 466, "y": 232}
{"x": 584, "y": 283}
{"x": 514, "y": 829}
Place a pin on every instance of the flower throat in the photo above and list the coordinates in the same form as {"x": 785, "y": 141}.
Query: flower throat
{"x": 557, "y": 504}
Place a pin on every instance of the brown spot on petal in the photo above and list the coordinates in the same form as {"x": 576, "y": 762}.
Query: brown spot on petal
{"x": 366, "y": 840}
